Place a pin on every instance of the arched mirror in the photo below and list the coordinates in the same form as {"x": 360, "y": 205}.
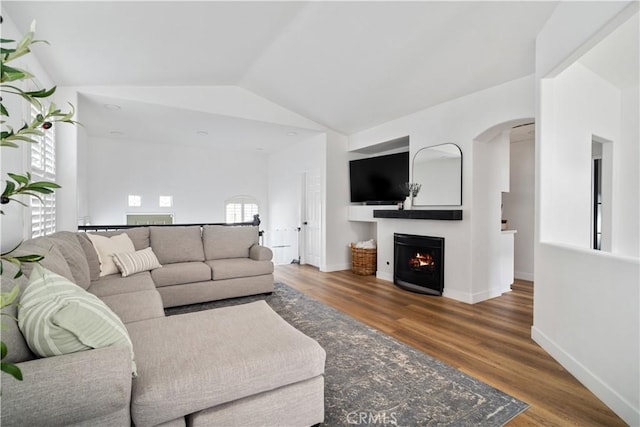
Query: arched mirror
{"x": 438, "y": 169}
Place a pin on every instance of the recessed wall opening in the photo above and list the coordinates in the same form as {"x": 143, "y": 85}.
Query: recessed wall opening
{"x": 601, "y": 177}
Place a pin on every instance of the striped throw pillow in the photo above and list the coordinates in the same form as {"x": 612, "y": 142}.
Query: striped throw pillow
{"x": 58, "y": 317}
{"x": 135, "y": 262}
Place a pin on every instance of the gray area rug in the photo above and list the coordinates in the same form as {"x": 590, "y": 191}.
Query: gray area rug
{"x": 374, "y": 379}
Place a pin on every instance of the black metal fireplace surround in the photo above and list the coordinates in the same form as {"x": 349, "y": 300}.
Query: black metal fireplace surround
{"x": 418, "y": 263}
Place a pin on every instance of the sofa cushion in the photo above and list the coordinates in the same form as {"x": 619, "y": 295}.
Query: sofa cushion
{"x": 180, "y": 273}
{"x": 238, "y": 267}
{"x": 222, "y": 241}
{"x": 91, "y": 255}
{"x": 136, "y": 262}
{"x": 136, "y": 306}
{"x": 248, "y": 349}
{"x": 115, "y": 284}
{"x": 53, "y": 259}
{"x": 58, "y": 317}
{"x": 177, "y": 244}
{"x": 107, "y": 246}
{"x": 70, "y": 247}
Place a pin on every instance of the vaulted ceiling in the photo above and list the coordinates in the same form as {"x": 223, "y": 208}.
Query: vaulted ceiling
{"x": 346, "y": 65}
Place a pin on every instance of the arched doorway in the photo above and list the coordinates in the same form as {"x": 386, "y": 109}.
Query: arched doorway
{"x": 492, "y": 175}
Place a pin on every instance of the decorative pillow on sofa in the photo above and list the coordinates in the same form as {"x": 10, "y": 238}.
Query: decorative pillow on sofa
{"x": 107, "y": 246}
{"x": 58, "y": 317}
{"x": 130, "y": 263}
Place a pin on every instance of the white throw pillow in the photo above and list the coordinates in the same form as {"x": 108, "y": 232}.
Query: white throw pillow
{"x": 130, "y": 263}
{"x": 56, "y": 317}
{"x": 107, "y": 246}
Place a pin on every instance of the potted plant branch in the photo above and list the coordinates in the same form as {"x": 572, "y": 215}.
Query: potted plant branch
{"x": 20, "y": 185}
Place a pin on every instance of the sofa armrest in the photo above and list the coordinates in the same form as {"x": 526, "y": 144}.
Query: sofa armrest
{"x": 260, "y": 253}
{"x": 68, "y": 389}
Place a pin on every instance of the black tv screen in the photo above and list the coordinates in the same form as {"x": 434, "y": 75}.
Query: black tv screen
{"x": 379, "y": 180}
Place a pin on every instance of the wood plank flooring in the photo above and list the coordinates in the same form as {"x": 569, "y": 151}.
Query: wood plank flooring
{"x": 490, "y": 340}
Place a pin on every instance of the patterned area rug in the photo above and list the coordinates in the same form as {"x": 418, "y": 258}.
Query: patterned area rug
{"x": 373, "y": 379}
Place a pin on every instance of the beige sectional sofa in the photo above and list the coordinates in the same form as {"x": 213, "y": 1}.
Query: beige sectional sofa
{"x": 240, "y": 365}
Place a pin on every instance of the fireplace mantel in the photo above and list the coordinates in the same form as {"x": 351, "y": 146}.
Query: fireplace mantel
{"x": 443, "y": 215}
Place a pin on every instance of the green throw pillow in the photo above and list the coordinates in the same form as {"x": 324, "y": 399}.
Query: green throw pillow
{"x": 58, "y": 317}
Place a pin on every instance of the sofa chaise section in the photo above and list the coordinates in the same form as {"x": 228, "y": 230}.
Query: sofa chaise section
{"x": 191, "y": 362}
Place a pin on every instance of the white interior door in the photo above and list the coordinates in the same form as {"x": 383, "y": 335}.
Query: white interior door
{"x": 311, "y": 218}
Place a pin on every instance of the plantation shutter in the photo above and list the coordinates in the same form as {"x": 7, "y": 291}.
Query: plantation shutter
{"x": 43, "y": 168}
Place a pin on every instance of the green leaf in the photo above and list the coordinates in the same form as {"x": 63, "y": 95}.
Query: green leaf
{"x": 42, "y": 93}
{"x": 3, "y": 350}
{"x": 9, "y": 188}
{"x": 3, "y": 111}
{"x": 10, "y": 74}
{"x": 19, "y": 178}
{"x": 32, "y": 132}
{"x": 7, "y": 298}
{"x": 44, "y": 184}
{"x": 30, "y": 258}
{"x": 18, "y": 137}
{"x": 12, "y": 370}
{"x": 6, "y": 41}
{"x": 8, "y": 144}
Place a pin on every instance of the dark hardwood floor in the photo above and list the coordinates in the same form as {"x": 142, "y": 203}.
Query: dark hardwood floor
{"x": 490, "y": 340}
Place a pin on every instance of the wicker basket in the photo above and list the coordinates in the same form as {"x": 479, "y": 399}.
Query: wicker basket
{"x": 363, "y": 261}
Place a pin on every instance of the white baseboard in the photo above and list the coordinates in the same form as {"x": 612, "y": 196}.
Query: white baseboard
{"x": 335, "y": 267}
{"x": 458, "y": 296}
{"x": 384, "y": 276}
{"x": 523, "y": 276}
{"x": 618, "y": 404}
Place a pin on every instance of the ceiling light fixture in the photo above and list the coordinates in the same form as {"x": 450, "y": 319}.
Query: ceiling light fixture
{"x": 116, "y": 133}
{"x": 292, "y": 133}
{"x": 112, "y": 107}
{"x": 202, "y": 133}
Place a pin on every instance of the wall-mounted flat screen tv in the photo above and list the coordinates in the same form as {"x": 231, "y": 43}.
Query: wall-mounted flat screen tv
{"x": 379, "y": 180}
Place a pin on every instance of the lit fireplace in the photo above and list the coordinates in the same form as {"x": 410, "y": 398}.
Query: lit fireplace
{"x": 422, "y": 261}
{"x": 419, "y": 263}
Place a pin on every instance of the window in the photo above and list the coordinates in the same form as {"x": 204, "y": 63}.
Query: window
{"x": 134, "y": 201}
{"x": 165, "y": 201}
{"x": 43, "y": 168}
{"x": 241, "y": 209}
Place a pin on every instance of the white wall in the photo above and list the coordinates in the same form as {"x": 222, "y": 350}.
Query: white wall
{"x": 519, "y": 207}
{"x": 339, "y": 231}
{"x": 584, "y": 105}
{"x": 626, "y": 175}
{"x": 490, "y": 179}
{"x": 286, "y": 169}
{"x": 67, "y": 163}
{"x": 459, "y": 121}
{"x": 586, "y": 303}
{"x": 199, "y": 179}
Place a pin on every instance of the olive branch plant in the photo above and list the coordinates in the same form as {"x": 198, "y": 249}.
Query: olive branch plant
{"x": 20, "y": 185}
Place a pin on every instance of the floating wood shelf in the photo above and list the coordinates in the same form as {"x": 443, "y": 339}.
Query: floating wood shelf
{"x": 442, "y": 215}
